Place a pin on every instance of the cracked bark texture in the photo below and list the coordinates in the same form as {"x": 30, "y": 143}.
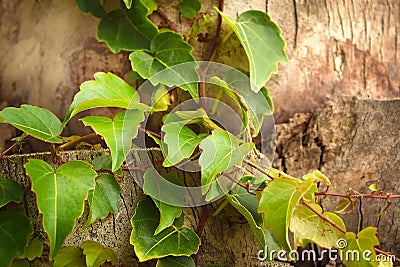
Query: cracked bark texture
{"x": 355, "y": 143}
{"x": 227, "y": 239}
{"x": 345, "y": 47}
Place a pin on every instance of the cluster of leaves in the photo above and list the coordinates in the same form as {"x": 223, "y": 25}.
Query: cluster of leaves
{"x": 279, "y": 205}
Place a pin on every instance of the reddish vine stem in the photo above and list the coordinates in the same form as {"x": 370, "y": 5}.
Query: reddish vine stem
{"x": 8, "y": 150}
{"x": 258, "y": 168}
{"x": 150, "y": 132}
{"x": 205, "y": 214}
{"x": 319, "y": 214}
{"x": 387, "y": 196}
{"x": 165, "y": 17}
{"x": 305, "y": 203}
{"x": 377, "y": 250}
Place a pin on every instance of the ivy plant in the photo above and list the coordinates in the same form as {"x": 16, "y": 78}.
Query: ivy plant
{"x": 276, "y": 205}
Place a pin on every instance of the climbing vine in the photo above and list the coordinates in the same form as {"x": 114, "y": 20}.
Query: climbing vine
{"x": 276, "y": 205}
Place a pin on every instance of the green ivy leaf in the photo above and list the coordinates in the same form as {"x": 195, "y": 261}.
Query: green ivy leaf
{"x": 10, "y": 190}
{"x": 277, "y": 204}
{"x": 92, "y": 6}
{"x": 128, "y": 3}
{"x": 360, "y": 248}
{"x": 34, "y": 249}
{"x": 41, "y": 123}
{"x": 127, "y": 29}
{"x": 317, "y": 176}
{"x": 262, "y": 42}
{"x": 259, "y": 103}
{"x": 160, "y": 100}
{"x": 15, "y": 230}
{"x": 181, "y": 142}
{"x": 234, "y": 96}
{"x": 198, "y": 116}
{"x": 171, "y": 261}
{"x": 107, "y": 90}
{"x": 96, "y": 254}
{"x": 309, "y": 227}
{"x": 151, "y": 5}
{"x": 189, "y": 8}
{"x": 104, "y": 198}
{"x": 60, "y": 196}
{"x": 254, "y": 225}
{"x": 172, "y": 241}
{"x": 162, "y": 63}
{"x": 156, "y": 186}
{"x": 220, "y": 151}
{"x": 118, "y": 132}
{"x": 70, "y": 257}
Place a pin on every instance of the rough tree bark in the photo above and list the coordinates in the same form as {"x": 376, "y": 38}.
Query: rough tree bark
{"x": 345, "y": 47}
{"x": 354, "y": 142}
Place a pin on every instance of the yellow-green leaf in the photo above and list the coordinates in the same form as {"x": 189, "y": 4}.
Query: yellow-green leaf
{"x": 277, "y": 204}
{"x": 38, "y": 122}
{"x": 262, "y": 42}
{"x": 60, "y": 196}
{"x": 96, "y": 254}
{"x": 118, "y": 132}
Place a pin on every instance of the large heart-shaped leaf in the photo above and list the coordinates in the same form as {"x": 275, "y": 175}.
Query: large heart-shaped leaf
{"x": 118, "y": 132}
{"x": 277, "y": 203}
{"x": 127, "y": 29}
{"x": 60, "y": 196}
{"x": 163, "y": 62}
{"x": 10, "y": 190}
{"x": 309, "y": 227}
{"x": 41, "y": 123}
{"x": 176, "y": 262}
{"x": 107, "y": 90}
{"x": 158, "y": 187}
{"x": 173, "y": 241}
{"x": 96, "y": 254}
{"x": 104, "y": 198}
{"x": 181, "y": 142}
{"x": 262, "y": 42}
{"x": 220, "y": 151}
{"x": 15, "y": 229}
{"x": 358, "y": 250}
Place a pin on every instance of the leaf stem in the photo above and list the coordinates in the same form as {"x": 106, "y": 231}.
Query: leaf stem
{"x": 322, "y": 216}
{"x": 387, "y": 196}
{"x": 150, "y": 132}
{"x": 8, "y": 150}
{"x": 258, "y": 168}
{"x": 75, "y": 141}
{"x": 377, "y": 250}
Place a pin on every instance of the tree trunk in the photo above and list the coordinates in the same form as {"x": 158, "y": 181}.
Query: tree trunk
{"x": 345, "y": 47}
{"x": 355, "y": 143}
